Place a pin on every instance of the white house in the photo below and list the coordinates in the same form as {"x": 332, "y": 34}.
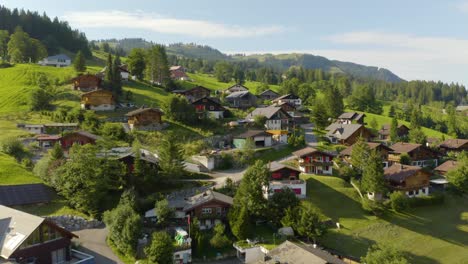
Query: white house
{"x": 290, "y": 99}
{"x": 60, "y": 60}
{"x": 276, "y": 117}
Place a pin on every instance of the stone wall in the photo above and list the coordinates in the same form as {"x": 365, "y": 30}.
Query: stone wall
{"x": 75, "y": 223}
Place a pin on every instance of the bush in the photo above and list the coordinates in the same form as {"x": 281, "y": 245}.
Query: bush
{"x": 227, "y": 161}
{"x": 14, "y": 148}
{"x": 398, "y": 201}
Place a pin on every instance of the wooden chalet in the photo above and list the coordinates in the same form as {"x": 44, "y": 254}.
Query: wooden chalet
{"x": 209, "y": 107}
{"x": 86, "y": 82}
{"x": 47, "y": 141}
{"x": 420, "y": 155}
{"x": 287, "y": 107}
{"x": 445, "y": 167}
{"x": 347, "y": 134}
{"x": 149, "y": 119}
{"x": 243, "y": 100}
{"x": 178, "y": 73}
{"x": 98, "y": 100}
{"x": 453, "y": 145}
{"x": 351, "y": 118}
{"x": 412, "y": 180}
{"x": 379, "y": 147}
{"x": 384, "y": 132}
{"x": 268, "y": 95}
{"x": 194, "y": 93}
{"x": 236, "y": 88}
{"x": 28, "y": 238}
{"x": 276, "y": 117}
{"x": 284, "y": 176}
{"x": 290, "y": 99}
{"x": 314, "y": 161}
{"x": 79, "y": 137}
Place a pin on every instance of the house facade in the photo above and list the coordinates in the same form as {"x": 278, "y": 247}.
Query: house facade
{"x": 86, "y": 82}
{"x": 178, "y": 73}
{"x": 412, "y": 180}
{"x": 98, "y": 100}
{"x": 347, "y": 134}
{"x": 384, "y": 132}
{"x": 268, "y": 95}
{"x": 79, "y": 137}
{"x": 445, "y": 167}
{"x": 314, "y": 161}
{"x": 259, "y": 138}
{"x": 420, "y": 155}
{"x": 284, "y": 176}
{"x": 208, "y": 107}
{"x": 60, "y": 60}
{"x": 194, "y": 93}
{"x": 243, "y": 100}
{"x": 148, "y": 119}
{"x": 351, "y": 118}
{"x": 28, "y": 238}
{"x": 379, "y": 147}
{"x": 276, "y": 117}
{"x": 290, "y": 99}
{"x": 48, "y": 141}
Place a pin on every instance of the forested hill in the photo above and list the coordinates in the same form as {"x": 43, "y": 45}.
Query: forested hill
{"x": 56, "y": 35}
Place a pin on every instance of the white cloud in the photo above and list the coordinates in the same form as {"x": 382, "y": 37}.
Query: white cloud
{"x": 157, "y": 23}
{"x": 463, "y": 6}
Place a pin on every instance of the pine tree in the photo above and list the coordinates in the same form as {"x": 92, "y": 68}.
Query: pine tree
{"x": 373, "y": 174}
{"x": 319, "y": 115}
{"x": 171, "y": 157}
{"x": 394, "y": 130}
{"x": 359, "y": 154}
{"x": 109, "y": 73}
{"x": 4, "y": 36}
{"x": 116, "y": 77}
{"x": 333, "y": 102}
{"x": 391, "y": 111}
{"x": 80, "y": 63}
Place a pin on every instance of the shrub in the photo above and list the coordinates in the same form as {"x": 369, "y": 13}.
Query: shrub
{"x": 14, "y": 148}
{"x": 398, "y": 201}
{"x": 371, "y": 206}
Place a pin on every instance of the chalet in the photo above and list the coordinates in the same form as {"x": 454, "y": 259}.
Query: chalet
{"x": 124, "y": 73}
{"x": 178, "y": 73}
{"x": 420, "y": 155}
{"x": 290, "y": 99}
{"x": 60, "y": 60}
{"x": 287, "y": 107}
{"x": 148, "y": 119}
{"x": 86, "y": 82}
{"x": 79, "y": 137}
{"x": 259, "y": 138}
{"x": 209, "y": 107}
{"x": 236, "y": 88}
{"x": 209, "y": 207}
{"x": 35, "y": 129}
{"x": 384, "y": 133}
{"x": 194, "y": 93}
{"x": 314, "y": 161}
{"x": 268, "y": 95}
{"x": 127, "y": 155}
{"x": 412, "y": 180}
{"x": 446, "y": 167}
{"x": 243, "y": 99}
{"x": 28, "y": 238}
{"x": 351, "y": 118}
{"x": 47, "y": 141}
{"x": 284, "y": 176}
{"x": 98, "y": 100}
{"x": 276, "y": 117}
{"x": 347, "y": 134}
{"x": 454, "y": 145}
{"x": 379, "y": 147}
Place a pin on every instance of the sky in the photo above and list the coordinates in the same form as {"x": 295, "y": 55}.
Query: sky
{"x": 415, "y": 39}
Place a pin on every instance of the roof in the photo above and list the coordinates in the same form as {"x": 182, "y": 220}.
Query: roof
{"x": 123, "y": 152}
{"x": 453, "y": 143}
{"x": 286, "y": 96}
{"x": 142, "y": 110}
{"x": 268, "y": 91}
{"x": 237, "y": 86}
{"x": 177, "y": 67}
{"x": 238, "y": 94}
{"x": 292, "y": 253}
{"x": 85, "y": 134}
{"x": 267, "y": 112}
{"x": 399, "y": 172}
{"x": 25, "y": 194}
{"x": 48, "y": 137}
{"x": 347, "y": 115}
{"x": 345, "y": 130}
{"x": 403, "y": 147}
{"x": 188, "y": 203}
{"x": 253, "y": 133}
{"x": 59, "y": 57}
{"x": 386, "y": 129}
{"x": 447, "y": 166}
{"x": 274, "y": 166}
{"x": 307, "y": 151}
{"x": 213, "y": 100}
{"x": 35, "y": 126}
{"x": 61, "y": 125}
{"x": 372, "y": 145}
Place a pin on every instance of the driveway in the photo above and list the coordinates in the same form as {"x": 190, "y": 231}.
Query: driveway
{"x": 93, "y": 242}
{"x": 309, "y": 136}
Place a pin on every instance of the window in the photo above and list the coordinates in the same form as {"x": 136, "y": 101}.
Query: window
{"x": 58, "y": 256}
{"x": 206, "y": 211}
{"x": 218, "y": 210}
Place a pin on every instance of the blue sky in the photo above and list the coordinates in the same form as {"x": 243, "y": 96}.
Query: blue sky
{"x": 415, "y": 39}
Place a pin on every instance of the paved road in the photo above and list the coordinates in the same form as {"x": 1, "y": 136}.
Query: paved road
{"x": 219, "y": 177}
{"x": 93, "y": 242}
{"x": 309, "y": 137}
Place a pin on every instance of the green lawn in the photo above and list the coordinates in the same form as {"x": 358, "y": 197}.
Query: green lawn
{"x": 209, "y": 81}
{"x": 56, "y": 207}
{"x": 433, "y": 234}
{"x": 11, "y": 172}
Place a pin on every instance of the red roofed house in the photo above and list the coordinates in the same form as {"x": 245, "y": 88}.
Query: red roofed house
{"x": 284, "y": 176}
{"x": 314, "y": 161}
{"x": 412, "y": 180}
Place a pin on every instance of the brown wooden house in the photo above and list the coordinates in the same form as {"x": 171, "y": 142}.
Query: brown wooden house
{"x": 351, "y": 118}
{"x": 445, "y": 167}
{"x": 86, "y": 82}
{"x": 412, "y": 180}
{"x": 420, "y": 155}
{"x": 98, "y": 100}
{"x": 241, "y": 100}
{"x": 194, "y": 93}
{"x": 79, "y": 137}
{"x": 347, "y": 134}
{"x": 148, "y": 119}
{"x": 27, "y": 238}
{"x": 379, "y": 147}
{"x": 284, "y": 176}
{"x": 402, "y": 131}
{"x": 454, "y": 145}
{"x": 314, "y": 161}
{"x": 209, "y": 107}
{"x": 268, "y": 95}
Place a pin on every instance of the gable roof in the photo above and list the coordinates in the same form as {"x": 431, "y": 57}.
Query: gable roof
{"x": 385, "y": 130}
{"x": 286, "y": 96}
{"x": 58, "y": 57}
{"x": 268, "y": 91}
{"x": 236, "y": 86}
{"x": 188, "y": 203}
{"x": 447, "y": 166}
{"x": 267, "y": 112}
{"x": 399, "y": 172}
{"x": 309, "y": 150}
{"x": 345, "y": 130}
{"x": 403, "y": 147}
{"x": 347, "y": 115}
{"x": 372, "y": 145}
{"x": 240, "y": 94}
{"x": 84, "y": 134}
{"x": 123, "y": 152}
{"x": 142, "y": 110}
{"x": 200, "y": 101}
{"x": 253, "y": 133}
{"x": 275, "y": 166}
{"x": 22, "y": 194}
{"x": 176, "y": 67}
{"x": 453, "y": 143}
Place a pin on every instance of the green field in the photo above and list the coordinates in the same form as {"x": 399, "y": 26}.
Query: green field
{"x": 11, "y": 172}
{"x": 209, "y": 81}
{"x": 432, "y": 234}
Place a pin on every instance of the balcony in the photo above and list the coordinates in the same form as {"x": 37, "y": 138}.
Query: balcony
{"x": 303, "y": 162}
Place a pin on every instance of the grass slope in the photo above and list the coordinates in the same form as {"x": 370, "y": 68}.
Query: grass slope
{"x": 433, "y": 234}
{"x": 209, "y": 81}
{"x": 11, "y": 172}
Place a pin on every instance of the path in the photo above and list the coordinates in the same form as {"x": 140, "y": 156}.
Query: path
{"x": 309, "y": 136}
{"x": 93, "y": 242}
{"x": 219, "y": 177}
